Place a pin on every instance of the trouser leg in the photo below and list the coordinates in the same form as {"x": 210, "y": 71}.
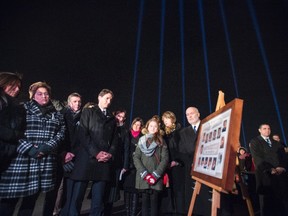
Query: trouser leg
{"x": 73, "y": 207}
{"x": 59, "y": 199}
{"x": 145, "y": 204}
{"x": 127, "y": 202}
{"x": 97, "y": 202}
{"x": 134, "y": 202}
{"x": 27, "y": 205}
{"x": 7, "y": 206}
{"x": 154, "y": 203}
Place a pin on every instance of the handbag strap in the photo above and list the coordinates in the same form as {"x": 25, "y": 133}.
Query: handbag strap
{"x": 157, "y": 157}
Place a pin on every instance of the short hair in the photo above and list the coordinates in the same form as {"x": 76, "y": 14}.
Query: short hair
{"x": 120, "y": 110}
{"x": 33, "y": 88}
{"x": 136, "y": 120}
{"x": 9, "y": 78}
{"x": 104, "y": 92}
{"x": 261, "y": 125}
{"x": 74, "y": 94}
{"x": 89, "y": 105}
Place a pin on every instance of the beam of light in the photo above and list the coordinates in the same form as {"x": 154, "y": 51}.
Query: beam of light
{"x": 163, "y": 8}
{"x": 202, "y": 26}
{"x": 181, "y": 20}
{"x": 140, "y": 19}
{"x": 228, "y": 43}
{"x": 266, "y": 64}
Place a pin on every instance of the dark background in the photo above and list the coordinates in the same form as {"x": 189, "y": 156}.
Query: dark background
{"x": 86, "y": 45}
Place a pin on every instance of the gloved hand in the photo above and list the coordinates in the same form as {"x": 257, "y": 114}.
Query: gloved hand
{"x": 33, "y": 152}
{"x": 45, "y": 149}
{"x": 150, "y": 179}
{"x": 69, "y": 166}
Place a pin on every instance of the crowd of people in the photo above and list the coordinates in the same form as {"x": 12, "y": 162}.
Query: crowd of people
{"x": 60, "y": 150}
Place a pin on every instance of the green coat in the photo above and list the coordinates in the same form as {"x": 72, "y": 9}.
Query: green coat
{"x": 150, "y": 164}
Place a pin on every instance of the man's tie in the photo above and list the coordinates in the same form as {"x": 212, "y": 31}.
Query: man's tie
{"x": 269, "y": 142}
{"x": 194, "y": 128}
{"x": 104, "y": 112}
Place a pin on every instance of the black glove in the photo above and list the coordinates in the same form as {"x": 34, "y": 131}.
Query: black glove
{"x": 45, "y": 149}
{"x": 33, "y": 152}
{"x": 68, "y": 167}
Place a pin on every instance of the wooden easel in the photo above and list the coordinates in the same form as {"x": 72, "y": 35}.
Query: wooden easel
{"x": 244, "y": 189}
{"x": 216, "y": 190}
{"x": 215, "y": 195}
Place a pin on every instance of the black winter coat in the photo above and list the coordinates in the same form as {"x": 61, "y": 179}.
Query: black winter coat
{"x": 265, "y": 158}
{"x": 97, "y": 132}
{"x": 12, "y": 126}
{"x": 72, "y": 121}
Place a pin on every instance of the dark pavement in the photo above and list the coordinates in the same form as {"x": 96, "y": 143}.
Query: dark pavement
{"x": 238, "y": 205}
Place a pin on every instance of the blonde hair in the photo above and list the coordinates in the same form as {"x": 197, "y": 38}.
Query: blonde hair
{"x": 169, "y": 115}
{"x": 33, "y": 88}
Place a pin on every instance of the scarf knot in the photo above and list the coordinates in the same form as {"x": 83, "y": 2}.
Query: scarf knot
{"x": 147, "y": 145}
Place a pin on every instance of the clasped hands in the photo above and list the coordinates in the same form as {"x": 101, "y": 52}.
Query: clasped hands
{"x": 277, "y": 171}
{"x": 103, "y": 156}
{"x": 150, "y": 179}
{"x": 69, "y": 157}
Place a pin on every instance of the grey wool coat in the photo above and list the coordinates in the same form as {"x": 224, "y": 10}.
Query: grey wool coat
{"x": 150, "y": 164}
{"x": 27, "y": 174}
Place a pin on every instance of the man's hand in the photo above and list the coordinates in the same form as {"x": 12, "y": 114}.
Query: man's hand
{"x": 103, "y": 156}
{"x": 279, "y": 170}
{"x": 174, "y": 163}
{"x": 69, "y": 156}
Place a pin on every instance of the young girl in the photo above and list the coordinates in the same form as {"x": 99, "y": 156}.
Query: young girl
{"x": 151, "y": 160}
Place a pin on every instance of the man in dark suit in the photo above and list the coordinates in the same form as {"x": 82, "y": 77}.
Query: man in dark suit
{"x": 187, "y": 138}
{"x": 271, "y": 177}
{"x": 93, "y": 160}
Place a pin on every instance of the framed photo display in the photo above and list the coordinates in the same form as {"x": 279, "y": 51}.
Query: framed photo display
{"x": 217, "y": 144}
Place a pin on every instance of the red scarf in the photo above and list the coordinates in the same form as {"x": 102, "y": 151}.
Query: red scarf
{"x": 135, "y": 133}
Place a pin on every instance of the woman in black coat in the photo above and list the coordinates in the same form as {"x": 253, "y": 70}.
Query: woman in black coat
{"x": 174, "y": 170}
{"x": 130, "y": 192}
{"x": 12, "y": 117}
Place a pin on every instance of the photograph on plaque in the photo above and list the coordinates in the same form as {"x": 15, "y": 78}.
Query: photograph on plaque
{"x": 210, "y": 156}
{"x": 216, "y": 147}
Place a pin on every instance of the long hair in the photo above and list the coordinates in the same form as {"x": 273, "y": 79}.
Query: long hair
{"x": 157, "y": 137}
{"x": 169, "y": 115}
{"x": 8, "y": 78}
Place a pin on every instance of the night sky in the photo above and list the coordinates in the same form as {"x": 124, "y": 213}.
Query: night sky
{"x": 155, "y": 55}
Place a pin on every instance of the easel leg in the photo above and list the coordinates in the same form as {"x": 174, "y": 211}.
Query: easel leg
{"x": 215, "y": 202}
{"x": 250, "y": 207}
{"x": 195, "y": 193}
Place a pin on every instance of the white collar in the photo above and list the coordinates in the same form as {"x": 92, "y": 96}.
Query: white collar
{"x": 196, "y": 125}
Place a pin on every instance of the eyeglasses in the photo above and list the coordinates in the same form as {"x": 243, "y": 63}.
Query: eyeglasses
{"x": 119, "y": 116}
{"x": 40, "y": 94}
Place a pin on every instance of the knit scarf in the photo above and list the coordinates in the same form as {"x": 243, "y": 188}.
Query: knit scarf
{"x": 47, "y": 108}
{"x": 147, "y": 145}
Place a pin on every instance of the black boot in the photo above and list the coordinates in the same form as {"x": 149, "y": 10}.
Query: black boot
{"x": 127, "y": 199}
{"x": 134, "y": 203}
